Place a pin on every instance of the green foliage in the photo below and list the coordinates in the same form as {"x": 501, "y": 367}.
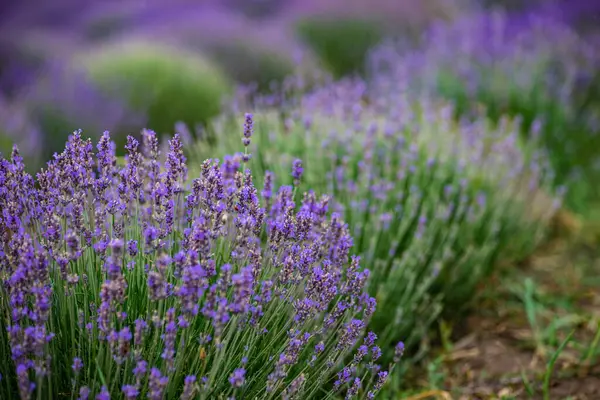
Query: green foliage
{"x": 6, "y": 144}
{"x": 165, "y": 84}
{"x": 342, "y": 44}
{"x": 551, "y": 362}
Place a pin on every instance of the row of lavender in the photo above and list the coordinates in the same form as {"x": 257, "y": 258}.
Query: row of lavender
{"x": 434, "y": 205}
{"x": 125, "y": 279}
{"x": 528, "y": 65}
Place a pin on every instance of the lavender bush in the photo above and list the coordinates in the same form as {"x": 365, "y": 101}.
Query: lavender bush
{"x": 124, "y": 86}
{"x": 164, "y": 83}
{"x": 131, "y": 281}
{"x": 433, "y": 205}
{"x": 531, "y": 65}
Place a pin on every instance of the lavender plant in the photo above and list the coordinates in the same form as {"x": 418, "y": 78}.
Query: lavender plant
{"x": 434, "y": 205}
{"x": 132, "y": 281}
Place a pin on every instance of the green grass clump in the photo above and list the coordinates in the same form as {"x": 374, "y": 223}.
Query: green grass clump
{"x": 124, "y": 87}
{"x": 342, "y": 44}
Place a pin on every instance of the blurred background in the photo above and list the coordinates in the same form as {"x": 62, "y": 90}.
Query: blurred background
{"x": 123, "y": 65}
{"x": 131, "y": 64}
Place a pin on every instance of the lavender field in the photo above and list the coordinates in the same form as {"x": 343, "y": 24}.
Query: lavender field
{"x": 281, "y": 199}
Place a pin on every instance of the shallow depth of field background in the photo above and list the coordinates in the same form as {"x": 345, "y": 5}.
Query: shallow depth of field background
{"x": 501, "y": 302}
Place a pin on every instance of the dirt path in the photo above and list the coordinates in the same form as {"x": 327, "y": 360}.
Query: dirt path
{"x": 502, "y": 351}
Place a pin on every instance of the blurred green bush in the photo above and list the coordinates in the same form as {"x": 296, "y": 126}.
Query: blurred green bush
{"x": 165, "y": 84}
{"x": 341, "y": 43}
{"x": 123, "y": 87}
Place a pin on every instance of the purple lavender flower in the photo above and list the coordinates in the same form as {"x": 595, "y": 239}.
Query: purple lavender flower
{"x": 294, "y": 390}
{"x": 104, "y": 394}
{"x": 188, "y": 387}
{"x": 140, "y": 369}
{"x": 156, "y": 384}
{"x": 140, "y": 327}
{"x": 132, "y": 248}
{"x": 297, "y": 171}
{"x": 77, "y": 365}
{"x": 370, "y": 339}
{"x": 84, "y": 393}
{"x": 121, "y": 345}
{"x": 175, "y": 165}
{"x": 267, "y": 192}
{"x": 398, "y": 352}
{"x": 354, "y": 388}
{"x": 25, "y": 386}
{"x": 243, "y": 288}
{"x": 319, "y": 348}
{"x": 350, "y": 333}
{"x": 343, "y": 377}
{"x": 375, "y": 353}
{"x": 130, "y": 392}
{"x": 381, "y": 378}
{"x": 248, "y": 129}
{"x": 169, "y": 337}
{"x": 237, "y": 378}
{"x": 157, "y": 286}
{"x": 361, "y": 353}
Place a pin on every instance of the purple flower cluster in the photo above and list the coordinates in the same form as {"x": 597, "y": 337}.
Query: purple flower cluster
{"x": 132, "y": 276}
